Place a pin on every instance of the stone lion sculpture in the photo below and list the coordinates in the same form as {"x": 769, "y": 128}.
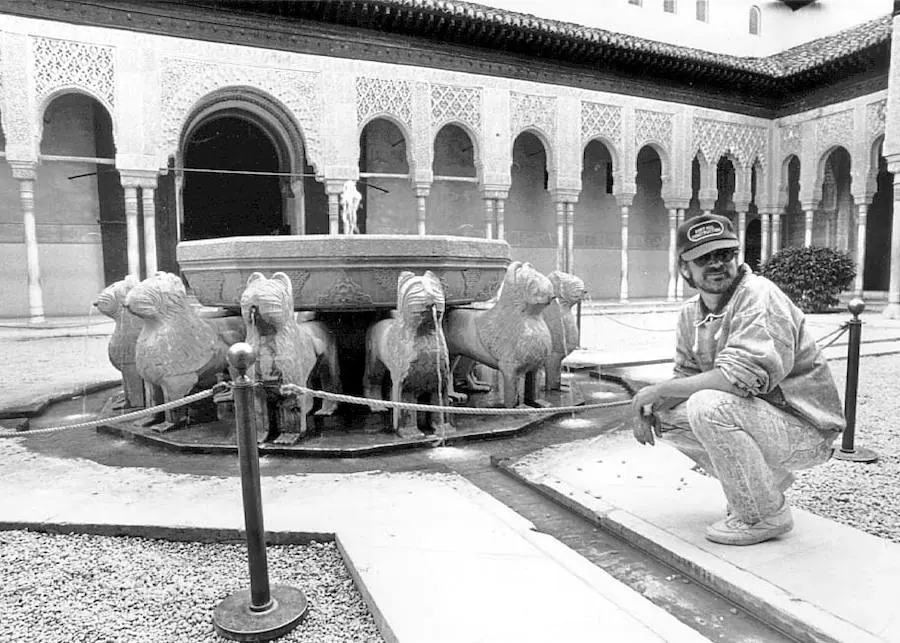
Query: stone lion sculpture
{"x": 121, "y": 349}
{"x": 511, "y": 336}
{"x": 411, "y": 347}
{"x": 287, "y": 353}
{"x": 350, "y": 201}
{"x": 569, "y": 290}
{"x": 177, "y": 349}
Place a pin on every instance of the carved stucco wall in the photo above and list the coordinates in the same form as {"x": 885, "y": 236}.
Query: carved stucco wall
{"x": 537, "y": 113}
{"x": 458, "y": 105}
{"x": 602, "y": 121}
{"x": 714, "y": 138}
{"x": 834, "y": 129}
{"x": 185, "y": 82}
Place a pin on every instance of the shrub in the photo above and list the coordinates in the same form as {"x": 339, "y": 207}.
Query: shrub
{"x": 812, "y": 277}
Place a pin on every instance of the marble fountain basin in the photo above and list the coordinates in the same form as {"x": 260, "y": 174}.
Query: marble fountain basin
{"x": 343, "y": 272}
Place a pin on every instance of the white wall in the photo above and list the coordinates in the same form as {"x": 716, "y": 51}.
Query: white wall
{"x": 727, "y": 30}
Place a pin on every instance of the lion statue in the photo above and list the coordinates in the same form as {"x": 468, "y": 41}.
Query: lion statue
{"x": 121, "y": 349}
{"x": 177, "y": 349}
{"x": 287, "y": 353}
{"x": 411, "y": 347}
{"x": 569, "y": 290}
{"x": 511, "y": 336}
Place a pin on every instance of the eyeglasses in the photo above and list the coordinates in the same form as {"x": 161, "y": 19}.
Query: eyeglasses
{"x": 724, "y": 255}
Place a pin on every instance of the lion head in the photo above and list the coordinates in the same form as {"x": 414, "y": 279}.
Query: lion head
{"x": 267, "y": 303}
{"x": 157, "y": 297}
{"x": 419, "y": 298}
{"x": 525, "y": 286}
{"x": 111, "y": 299}
{"x": 568, "y": 288}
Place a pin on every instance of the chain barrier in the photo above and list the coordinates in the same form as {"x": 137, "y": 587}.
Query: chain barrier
{"x": 115, "y": 419}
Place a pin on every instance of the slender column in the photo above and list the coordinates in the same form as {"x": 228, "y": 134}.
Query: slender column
{"x": 765, "y": 231}
{"x": 892, "y": 311}
{"x": 623, "y": 285}
{"x": 776, "y": 232}
{"x": 673, "y": 257}
{"x": 148, "y": 201}
{"x": 679, "y": 281}
{"x": 422, "y": 192}
{"x": 570, "y": 237}
{"x": 742, "y": 235}
{"x": 131, "y": 227}
{"x": 860, "y": 247}
{"x": 561, "y": 235}
{"x": 179, "y": 204}
{"x": 488, "y": 218}
{"x": 334, "y": 213}
{"x": 808, "y": 230}
{"x": 24, "y": 173}
{"x": 298, "y": 209}
{"x": 500, "y": 206}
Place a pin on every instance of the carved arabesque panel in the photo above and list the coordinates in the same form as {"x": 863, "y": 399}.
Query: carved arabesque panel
{"x": 875, "y": 115}
{"x": 599, "y": 119}
{"x": 651, "y": 126}
{"x": 835, "y": 129}
{"x": 747, "y": 143}
{"x": 449, "y": 103}
{"x": 791, "y": 140}
{"x": 64, "y": 63}
{"x": 384, "y": 96}
{"x": 185, "y": 82}
{"x": 532, "y": 111}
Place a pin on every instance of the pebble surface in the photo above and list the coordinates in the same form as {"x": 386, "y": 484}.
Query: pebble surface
{"x": 99, "y": 589}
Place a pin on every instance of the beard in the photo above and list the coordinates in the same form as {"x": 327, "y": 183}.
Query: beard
{"x": 717, "y": 281}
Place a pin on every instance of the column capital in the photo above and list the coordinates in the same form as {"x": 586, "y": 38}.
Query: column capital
{"x": 22, "y": 170}
{"x": 564, "y": 195}
{"x": 624, "y": 198}
{"x": 495, "y": 192}
{"x": 138, "y": 178}
{"x": 422, "y": 188}
{"x": 335, "y": 186}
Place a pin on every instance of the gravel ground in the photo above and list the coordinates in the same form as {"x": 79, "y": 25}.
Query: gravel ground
{"x": 862, "y": 495}
{"x": 97, "y": 589}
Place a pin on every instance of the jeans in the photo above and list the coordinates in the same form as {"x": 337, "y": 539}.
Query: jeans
{"x": 750, "y": 446}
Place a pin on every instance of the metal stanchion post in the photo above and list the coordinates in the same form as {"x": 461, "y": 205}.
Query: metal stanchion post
{"x": 260, "y": 613}
{"x": 847, "y": 450}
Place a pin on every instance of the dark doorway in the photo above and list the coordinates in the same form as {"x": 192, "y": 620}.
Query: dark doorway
{"x": 225, "y": 204}
{"x": 877, "y": 271}
{"x": 753, "y": 244}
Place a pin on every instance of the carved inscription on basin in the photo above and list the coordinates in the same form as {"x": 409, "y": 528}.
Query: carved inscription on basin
{"x": 343, "y": 272}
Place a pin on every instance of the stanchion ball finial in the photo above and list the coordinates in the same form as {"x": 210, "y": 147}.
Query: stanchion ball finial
{"x": 856, "y": 306}
{"x": 241, "y": 356}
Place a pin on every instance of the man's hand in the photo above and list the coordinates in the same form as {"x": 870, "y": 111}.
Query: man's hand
{"x": 646, "y": 423}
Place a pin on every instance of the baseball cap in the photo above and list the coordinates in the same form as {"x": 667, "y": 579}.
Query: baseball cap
{"x": 704, "y": 234}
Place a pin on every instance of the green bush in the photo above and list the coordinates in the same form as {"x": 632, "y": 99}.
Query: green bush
{"x": 812, "y": 277}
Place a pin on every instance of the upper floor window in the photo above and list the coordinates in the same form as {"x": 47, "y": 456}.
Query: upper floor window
{"x": 754, "y": 20}
{"x": 636, "y": 2}
{"x": 669, "y": 6}
{"x": 703, "y": 10}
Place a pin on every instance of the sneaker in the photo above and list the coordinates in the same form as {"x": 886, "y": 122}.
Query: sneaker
{"x": 734, "y": 531}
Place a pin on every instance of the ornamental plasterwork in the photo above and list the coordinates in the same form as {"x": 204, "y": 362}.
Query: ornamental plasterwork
{"x": 62, "y": 64}
{"x": 461, "y": 104}
{"x": 17, "y": 125}
{"x": 184, "y": 82}
{"x": 835, "y": 129}
{"x": 747, "y": 143}
{"x": 875, "y": 115}
{"x": 384, "y": 96}
{"x": 599, "y": 119}
{"x": 532, "y": 111}
{"x": 790, "y": 140}
{"x": 651, "y": 126}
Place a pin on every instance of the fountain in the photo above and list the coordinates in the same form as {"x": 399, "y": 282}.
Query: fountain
{"x": 381, "y": 317}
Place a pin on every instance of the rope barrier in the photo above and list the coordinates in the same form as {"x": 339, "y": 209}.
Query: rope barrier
{"x": 838, "y": 333}
{"x": 627, "y": 325}
{"x": 115, "y": 419}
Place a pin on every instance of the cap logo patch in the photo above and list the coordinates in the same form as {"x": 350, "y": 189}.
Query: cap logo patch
{"x": 705, "y": 230}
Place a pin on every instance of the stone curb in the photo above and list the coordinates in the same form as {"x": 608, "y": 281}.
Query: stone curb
{"x": 40, "y": 402}
{"x": 769, "y": 603}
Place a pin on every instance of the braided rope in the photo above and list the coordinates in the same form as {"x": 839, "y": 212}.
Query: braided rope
{"x": 115, "y": 419}
{"x": 287, "y": 389}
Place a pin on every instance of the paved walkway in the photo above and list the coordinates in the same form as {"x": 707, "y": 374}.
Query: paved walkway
{"x": 439, "y": 560}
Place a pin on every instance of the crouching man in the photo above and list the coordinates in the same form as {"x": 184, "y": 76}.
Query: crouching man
{"x": 752, "y": 398}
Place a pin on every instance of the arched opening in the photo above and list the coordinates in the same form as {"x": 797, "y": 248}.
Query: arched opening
{"x": 232, "y": 190}
{"x": 77, "y": 168}
{"x": 597, "y": 223}
{"x": 755, "y": 18}
{"x": 530, "y": 224}
{"x": 753, "y": 244}
{"x": 793, "y": 221}
{"x": 388, "y": 204}
{"x": 725, "y": 186}
{"x": 693, "y": 208}
{"x": 454, "y": 203}
{"x": 836, "y": 206}
{"x": 879, "y": 222}
{"x": 648, "y": 231}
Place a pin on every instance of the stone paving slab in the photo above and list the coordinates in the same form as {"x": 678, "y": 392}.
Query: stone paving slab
{"x": 823, "y": 581}
{"x": 436, "y": 558}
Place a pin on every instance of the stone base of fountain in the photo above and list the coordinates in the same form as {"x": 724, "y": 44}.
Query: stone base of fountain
{"x": 355, "y": 432}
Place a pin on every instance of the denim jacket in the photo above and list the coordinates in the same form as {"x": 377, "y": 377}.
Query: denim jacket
{"x": 760, "y": 342}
